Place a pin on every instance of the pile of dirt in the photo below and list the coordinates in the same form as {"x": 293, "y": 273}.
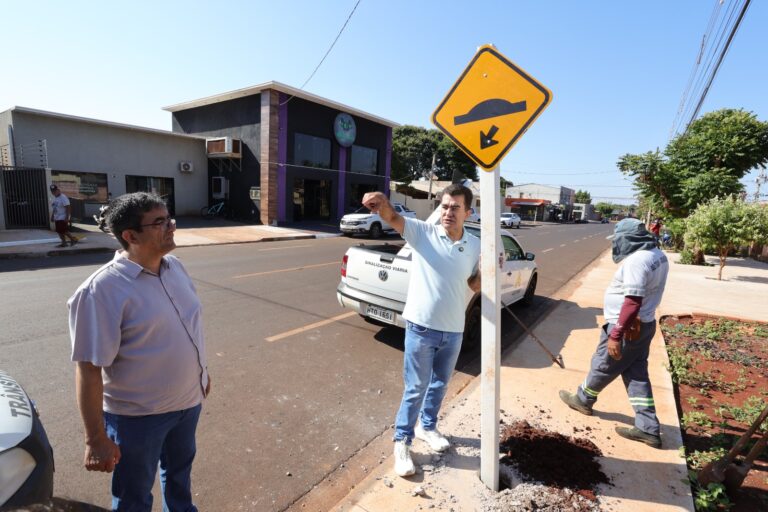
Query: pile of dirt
{"x": 553, "y": 459}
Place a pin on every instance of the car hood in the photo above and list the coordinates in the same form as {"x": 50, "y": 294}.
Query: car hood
{"x": 357, "y": 216}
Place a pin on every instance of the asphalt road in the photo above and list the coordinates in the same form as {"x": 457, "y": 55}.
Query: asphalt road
{"x": 299, "y": 384}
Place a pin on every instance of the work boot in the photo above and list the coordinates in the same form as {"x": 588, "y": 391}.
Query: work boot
{"x": 433, "y": 438}
{"x": 635, "y": 434}
{"x": 403, "y": 461}
{"x": 575, "y": 403}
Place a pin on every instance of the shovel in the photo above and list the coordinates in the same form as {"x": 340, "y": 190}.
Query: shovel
{"x": 736, "y": 472}
{"x": 557, "y": 359}
{"x": 714, "y": 472}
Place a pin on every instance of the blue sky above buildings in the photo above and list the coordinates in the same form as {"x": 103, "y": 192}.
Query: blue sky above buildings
{"x": 617, "y": 70}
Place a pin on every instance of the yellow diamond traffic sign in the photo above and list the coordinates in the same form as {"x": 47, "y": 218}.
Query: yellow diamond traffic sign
{"x": 490, "y": 107}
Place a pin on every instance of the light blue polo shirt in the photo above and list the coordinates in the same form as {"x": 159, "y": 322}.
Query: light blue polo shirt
{"x": 440, "y": 268}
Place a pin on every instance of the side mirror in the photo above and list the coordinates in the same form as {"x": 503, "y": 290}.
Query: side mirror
{"x": 530, "y": 256}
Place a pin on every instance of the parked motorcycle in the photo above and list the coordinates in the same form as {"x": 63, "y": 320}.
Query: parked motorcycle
{"x": 101, "y": 218}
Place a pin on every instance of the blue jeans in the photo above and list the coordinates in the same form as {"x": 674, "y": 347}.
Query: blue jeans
{"x": 429, "y": 360}
{"x": 144, "y": 441}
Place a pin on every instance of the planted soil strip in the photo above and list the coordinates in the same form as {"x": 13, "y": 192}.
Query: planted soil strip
{"x": 720, "y": 370}
{"x": 553, "y": 459}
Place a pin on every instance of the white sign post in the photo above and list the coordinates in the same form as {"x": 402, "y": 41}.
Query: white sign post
{"x": 485, "y": 113}
{"x": 490, "y": 323}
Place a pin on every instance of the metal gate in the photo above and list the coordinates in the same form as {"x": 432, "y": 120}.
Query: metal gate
{"x": 25, "y": 197}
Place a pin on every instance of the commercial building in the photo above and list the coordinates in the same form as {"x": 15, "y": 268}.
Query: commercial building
{"x": 541, "y": 202}
{"x": 303, "y": 157}
{"x": 272, "y": 153}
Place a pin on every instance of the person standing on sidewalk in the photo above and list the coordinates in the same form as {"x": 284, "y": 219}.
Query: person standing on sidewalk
{"x": 60, "y": 216}
{"x": 630, "y": 322}
{"x": 445, "y": 262}
{"x": 141, "y": 373}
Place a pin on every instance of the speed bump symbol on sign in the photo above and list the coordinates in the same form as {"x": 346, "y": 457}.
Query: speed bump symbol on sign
{"x": 490, "y": 107}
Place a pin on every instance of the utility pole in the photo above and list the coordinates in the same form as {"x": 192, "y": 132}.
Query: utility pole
{"x": 431, "y": 175}
{"x": 759, "y": 181}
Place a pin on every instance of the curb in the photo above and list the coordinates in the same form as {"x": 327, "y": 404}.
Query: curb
{"x": 96, "y": 250}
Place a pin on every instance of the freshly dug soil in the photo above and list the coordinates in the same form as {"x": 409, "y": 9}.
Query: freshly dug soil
{"x": 553, "y": 459}
{"x": 720, "y": 370}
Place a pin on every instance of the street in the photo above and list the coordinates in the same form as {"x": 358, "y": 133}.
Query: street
{"x": 299, "y": 383}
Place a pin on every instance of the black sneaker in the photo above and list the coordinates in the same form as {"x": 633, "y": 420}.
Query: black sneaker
{"x": 575, "y": 403}
{"x": 73, "y": 242}
{"x": 635, "y": 434}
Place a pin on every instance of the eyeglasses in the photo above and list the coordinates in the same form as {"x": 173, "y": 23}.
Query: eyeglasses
{"x": 166, "y": 223}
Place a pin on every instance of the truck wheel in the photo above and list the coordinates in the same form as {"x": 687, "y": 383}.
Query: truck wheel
{"x": 376, "y": 230}
{"x": 527, "y": 299}
{"x": 472, "y": 328}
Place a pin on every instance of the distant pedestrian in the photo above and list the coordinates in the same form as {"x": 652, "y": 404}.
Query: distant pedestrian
{"x": 60, "y": 216}
{"x": 630, "y": 322}
{"x": 656, "y": 229}
{"x": 141, "y": 374}
{"x": 445, "y": 263}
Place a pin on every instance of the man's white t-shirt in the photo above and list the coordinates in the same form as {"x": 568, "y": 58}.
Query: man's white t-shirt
{"x": 59, "y": 207}
{"x": 438, "y": 288}
{"x": 642, "y": 274}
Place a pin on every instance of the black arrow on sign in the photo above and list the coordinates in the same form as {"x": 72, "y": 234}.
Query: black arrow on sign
{"x": 486, "y": 139}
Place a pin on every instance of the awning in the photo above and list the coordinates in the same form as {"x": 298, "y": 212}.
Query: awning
{"x": 511, "y": 201}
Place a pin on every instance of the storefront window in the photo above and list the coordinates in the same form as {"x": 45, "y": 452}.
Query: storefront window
{"x": 364, "y": 160}
{"x": 85, "y": 186}
{"x": 311, "y": 151}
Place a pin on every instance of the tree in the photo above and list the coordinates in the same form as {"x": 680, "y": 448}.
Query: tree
{"x": 413, "y": 148}
{"x": 582, "y": 196}
{"x": 707, "y": 161}
{"x": 605, "y": 208}
{"x": 722, "y": 225}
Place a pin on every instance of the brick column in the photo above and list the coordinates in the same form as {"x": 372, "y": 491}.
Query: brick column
{"x": 268, "y": 157}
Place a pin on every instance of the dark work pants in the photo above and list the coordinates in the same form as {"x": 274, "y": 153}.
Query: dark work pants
{"x": 633, "y": 368}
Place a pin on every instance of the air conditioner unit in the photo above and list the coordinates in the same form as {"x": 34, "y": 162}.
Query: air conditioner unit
{"x": 185, "y": 167}
{"x": 223, "y": 147}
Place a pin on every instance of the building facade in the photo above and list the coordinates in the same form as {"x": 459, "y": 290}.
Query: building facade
{"x": 303, "y": 157}
{"x": 541, "y": 202}
{"x": 92, "y": 160}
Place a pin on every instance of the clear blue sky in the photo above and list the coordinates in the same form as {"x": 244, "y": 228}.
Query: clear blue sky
{"x": 617, "y": 70}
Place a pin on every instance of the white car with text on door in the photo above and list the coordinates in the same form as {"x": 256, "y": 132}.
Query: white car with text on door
{"x": 374, "y": 281}
{"x": 362, "y": 221}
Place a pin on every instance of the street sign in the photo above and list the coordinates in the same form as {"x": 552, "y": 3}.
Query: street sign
{"x": 490, "y": 107}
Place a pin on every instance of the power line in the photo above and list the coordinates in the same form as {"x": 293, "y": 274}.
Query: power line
{"x": 327, "y": 52}
{"x": 719, "y": 61}
{"x": 710, "y": 56}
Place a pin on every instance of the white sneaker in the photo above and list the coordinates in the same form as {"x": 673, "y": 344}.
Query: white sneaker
{"x": 433, "y": 438}
{"x": 403, "y": 461}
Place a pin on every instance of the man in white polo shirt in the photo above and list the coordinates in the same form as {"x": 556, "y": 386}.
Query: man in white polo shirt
{"x": 141, "y": 373}
{"x": 445, "y": 262}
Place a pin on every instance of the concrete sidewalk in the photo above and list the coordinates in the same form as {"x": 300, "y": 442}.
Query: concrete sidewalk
{"x": 644, "y": 479}
{"x": 30, "y": 243}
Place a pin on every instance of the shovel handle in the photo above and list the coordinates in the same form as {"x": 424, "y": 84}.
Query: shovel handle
{"x": 744, "y": 439}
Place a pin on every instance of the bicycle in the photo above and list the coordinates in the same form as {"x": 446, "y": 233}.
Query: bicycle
{"x": 215, "y": 210}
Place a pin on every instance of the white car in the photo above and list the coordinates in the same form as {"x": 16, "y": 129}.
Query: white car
{"x": 473, "y": 216}
{"x": 371, "y": 224}
{"x": 510, "y": 220}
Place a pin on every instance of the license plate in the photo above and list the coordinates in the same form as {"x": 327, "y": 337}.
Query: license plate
{"x": 382, "y": 314}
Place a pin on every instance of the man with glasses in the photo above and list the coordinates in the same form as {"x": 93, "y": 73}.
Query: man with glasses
{"x": 141, "y": 374}
{"x": 445, "y": 263}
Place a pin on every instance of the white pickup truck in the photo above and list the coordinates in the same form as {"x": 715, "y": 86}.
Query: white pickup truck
{"x": 374, "y": 282}
{"x": 363, "y": 221}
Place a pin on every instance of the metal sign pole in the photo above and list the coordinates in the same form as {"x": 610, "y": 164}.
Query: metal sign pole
{"x": 490, "y": 211}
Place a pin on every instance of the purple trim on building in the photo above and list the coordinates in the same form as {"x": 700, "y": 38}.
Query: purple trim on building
{"x": 282, "y": 155}
{"x": 388, "y": 161}
{"x": 342, "y": 181}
